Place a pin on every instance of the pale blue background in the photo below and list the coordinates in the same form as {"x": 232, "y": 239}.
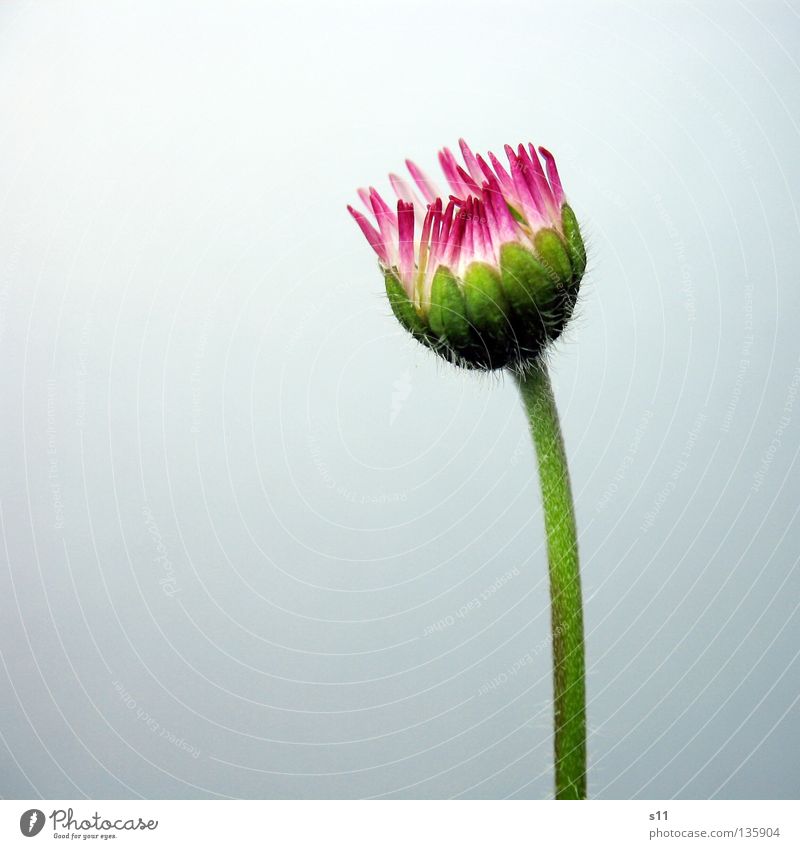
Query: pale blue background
{"x": 237, "y": 499}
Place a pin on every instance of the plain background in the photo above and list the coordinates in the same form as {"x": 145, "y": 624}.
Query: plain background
{"x": 257, "y": 541}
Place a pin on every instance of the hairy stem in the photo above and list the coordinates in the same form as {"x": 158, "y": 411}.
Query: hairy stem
{"x": 569, "y": 688}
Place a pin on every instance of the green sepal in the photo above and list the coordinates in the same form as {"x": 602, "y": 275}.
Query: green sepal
{"x": 517, "y": 216}
{"x": 576, "y": 250}
{"x": 552, "y": 253}
{"x": 447, "y": 314}
{"x": 488, "y": 313}
{"x": 526, "y": 283}
{"x": 530, "y": 293}
{"x": 405, "y": 312}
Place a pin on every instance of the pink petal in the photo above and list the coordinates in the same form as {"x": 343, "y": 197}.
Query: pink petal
{"x": 373, "y": 237}
{"x": 387, "y": 224}
{"x": 552, "y": 174}
{"x": 405, "y": 227}
{"x": 454, "y": 241}
{"x": 450, "y": 169}
{"x": 427, "y": 224}
{"x": 488, "y": 243}
{"x": 480, "y": 246}
{"x": 425, "y": 238}
{"x": 534, "y": 179}
{"x": 471, "y": 185}
{"x": 501, "y": 175}
{"x": 488, "y": 174}
{"x": 471, "y": 162}
{"x": 447, "y": 222}
{"x": 380, "y": 207}
{"x": 424, "y": 183}
{"x": 545, "y": 191}
{"x": 468, "y": 242}
{"x": 436, "y": 231}
{"x": 502, "y": 225}
{"x": 406, "y": 193}
{"x": 363, "y": 195}
{"x": 522, "y": 191}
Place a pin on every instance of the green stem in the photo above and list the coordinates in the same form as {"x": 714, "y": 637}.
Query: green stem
{"x": 569, "y": 688}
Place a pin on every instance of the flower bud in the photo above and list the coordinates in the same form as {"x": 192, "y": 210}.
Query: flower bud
{"x": 490, "y": 277}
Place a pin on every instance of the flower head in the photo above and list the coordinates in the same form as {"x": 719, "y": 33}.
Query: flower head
{"x": 487, "y": 275}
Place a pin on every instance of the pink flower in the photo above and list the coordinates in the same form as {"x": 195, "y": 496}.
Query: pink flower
{"x": 470, "y": 224}
{"x": 487, "y": 273}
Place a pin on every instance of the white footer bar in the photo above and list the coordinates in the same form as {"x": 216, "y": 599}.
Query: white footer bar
{"x": 402, "y": 824}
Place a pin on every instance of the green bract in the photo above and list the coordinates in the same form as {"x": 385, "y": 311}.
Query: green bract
{"x": 492, "y": 317}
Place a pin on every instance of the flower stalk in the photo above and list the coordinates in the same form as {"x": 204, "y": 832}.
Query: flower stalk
{"x": 569, "y": 687}
{"x": 487, "y": 275}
